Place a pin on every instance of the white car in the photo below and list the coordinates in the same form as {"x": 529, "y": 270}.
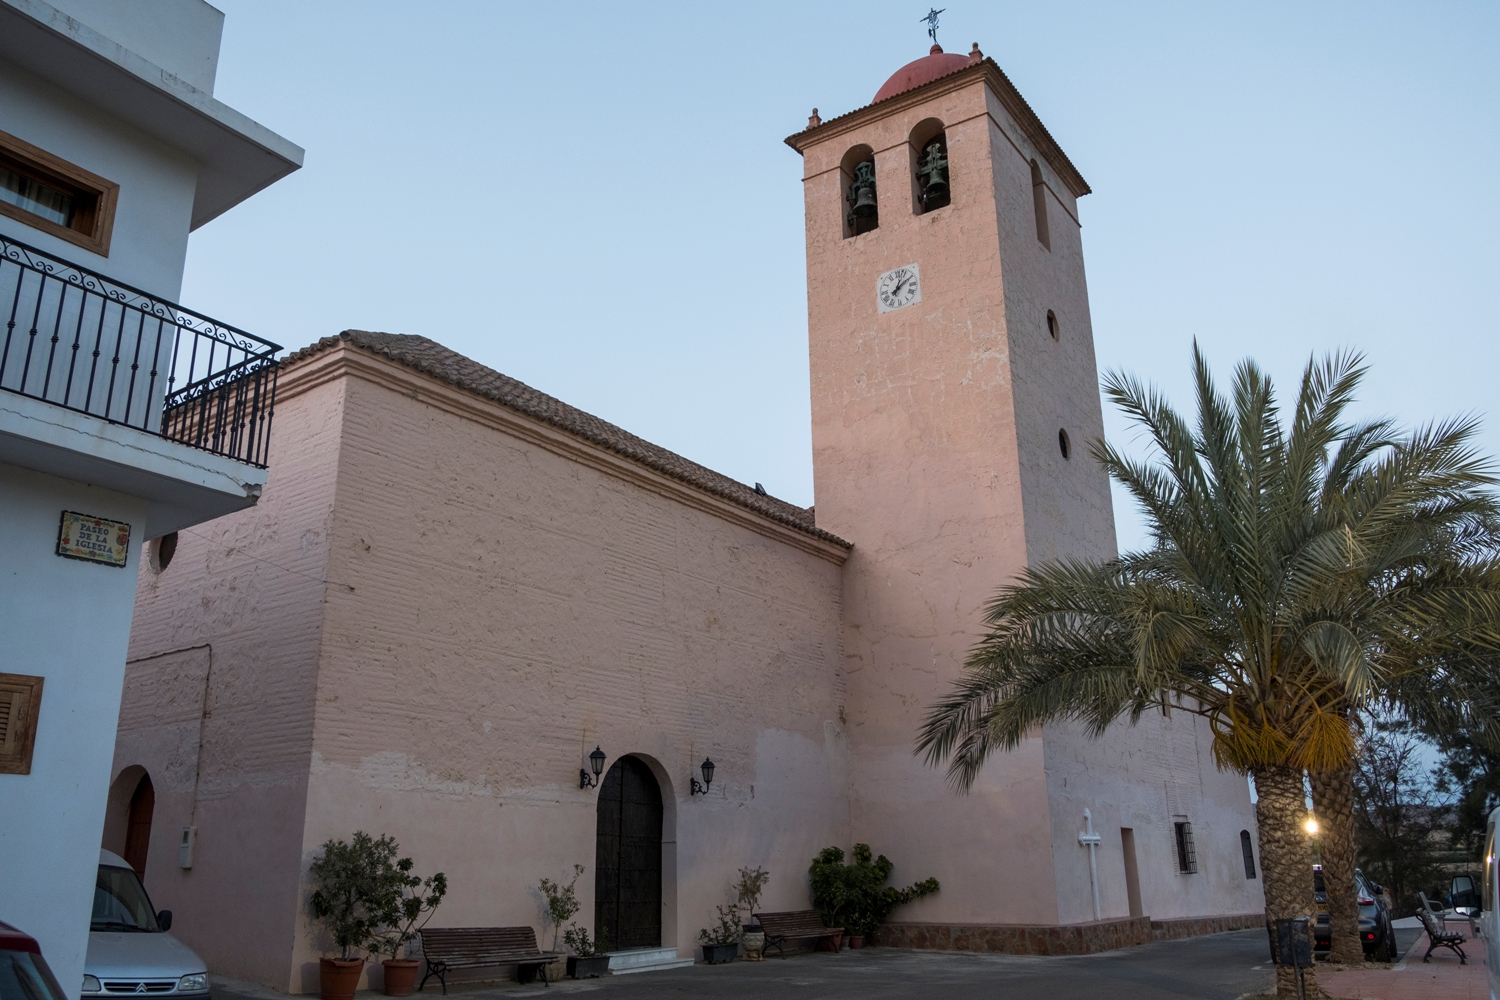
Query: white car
{"x": 130, "y": 950}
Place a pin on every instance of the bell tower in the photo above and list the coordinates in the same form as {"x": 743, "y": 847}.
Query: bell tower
{"x": 954, "y": 397}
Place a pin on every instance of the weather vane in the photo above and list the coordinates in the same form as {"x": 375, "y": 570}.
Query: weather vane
{"x": 931, "y": 19}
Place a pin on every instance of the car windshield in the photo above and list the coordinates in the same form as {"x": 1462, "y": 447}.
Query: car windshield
{"x": 1318, "y": 885}
{"x": 24, "y": 976}
{"x": 120, "y": 902}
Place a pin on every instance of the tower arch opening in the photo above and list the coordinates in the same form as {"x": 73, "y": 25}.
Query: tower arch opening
{"x": 930, "y": 177}
{"x": 861, "y": 207}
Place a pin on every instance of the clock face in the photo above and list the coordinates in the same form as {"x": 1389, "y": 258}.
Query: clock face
{"x": 898, "y": 288}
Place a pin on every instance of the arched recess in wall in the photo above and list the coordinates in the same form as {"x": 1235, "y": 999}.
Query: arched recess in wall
{"x": 859, "y": 199}
{"x": 931, "y": 180}
{"x": 1039, "y": 205}
{"x": 117, "y": 807}
{"x": 138, "y": 824}
{"x": 635, "y": 864}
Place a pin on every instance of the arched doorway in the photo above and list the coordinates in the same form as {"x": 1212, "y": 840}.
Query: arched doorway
{"x": 138, "y": 825}
{"x": 627, "y": 862}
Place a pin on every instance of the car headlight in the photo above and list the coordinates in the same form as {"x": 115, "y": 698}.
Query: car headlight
{"x": 195, "y": 983}
{"x": 91, "y": 984}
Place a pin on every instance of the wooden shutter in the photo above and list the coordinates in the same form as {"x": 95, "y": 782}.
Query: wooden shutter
{"x": 20, "y": 704}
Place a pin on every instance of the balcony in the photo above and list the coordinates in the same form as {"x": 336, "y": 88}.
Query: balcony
{"x": 78, "y": 340}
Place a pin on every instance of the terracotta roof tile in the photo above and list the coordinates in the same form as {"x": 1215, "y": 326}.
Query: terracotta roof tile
{"x": 435, "y": 360}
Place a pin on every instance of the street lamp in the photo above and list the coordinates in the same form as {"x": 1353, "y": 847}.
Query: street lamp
{"x": 596, "y": 761}
{"x": 708, "y": 779}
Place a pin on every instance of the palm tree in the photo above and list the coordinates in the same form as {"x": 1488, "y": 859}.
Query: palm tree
{"x": 1298, "y": 572}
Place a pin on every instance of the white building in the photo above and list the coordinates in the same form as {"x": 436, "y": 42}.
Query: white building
{"x": 123, "y": 416}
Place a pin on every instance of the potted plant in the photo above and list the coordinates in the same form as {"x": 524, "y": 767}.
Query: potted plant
{"x": 722, "y": 943}
{"x": 409, "y": 899}
{"x": 747, "y": 892}
{"x": 562, "y": 903}
{"x": 347, "y": 900}
{"x": 855, "y": 897}
{"x": 586, "y": 962}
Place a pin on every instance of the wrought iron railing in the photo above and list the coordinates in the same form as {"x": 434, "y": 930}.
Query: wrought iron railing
{"x": 87, "y": 343}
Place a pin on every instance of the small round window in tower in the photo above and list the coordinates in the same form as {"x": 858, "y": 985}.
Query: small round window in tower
{"x": 162, "y": 551}
{"x": 1064, "y": 445}
{"x": 1052, "y": 325}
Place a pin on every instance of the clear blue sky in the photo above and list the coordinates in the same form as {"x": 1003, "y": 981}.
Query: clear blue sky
{"x": 594, "y": 198}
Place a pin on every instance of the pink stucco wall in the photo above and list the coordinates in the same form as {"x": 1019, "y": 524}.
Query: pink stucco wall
{"x": 485, "y": 602}
{"x": 935, "y": 438}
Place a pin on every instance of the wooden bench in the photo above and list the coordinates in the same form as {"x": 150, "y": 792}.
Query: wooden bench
{"x": 449, "y": 948}
{"x": 1438, "y": 934}
{"x": 794, "y": 925}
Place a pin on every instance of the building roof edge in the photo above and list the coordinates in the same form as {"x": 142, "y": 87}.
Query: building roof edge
{"x": 444, "y": 364}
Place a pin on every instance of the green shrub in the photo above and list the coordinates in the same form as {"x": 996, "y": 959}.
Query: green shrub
{"x": 354, "y": 881}
{"x": 855, "y": 897}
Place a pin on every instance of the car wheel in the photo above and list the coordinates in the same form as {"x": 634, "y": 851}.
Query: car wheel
{"x": 1383, "y": 951}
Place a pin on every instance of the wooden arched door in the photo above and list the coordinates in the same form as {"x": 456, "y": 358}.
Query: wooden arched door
{"x": 138, "y": 825}
{"x": 627, "y": 864}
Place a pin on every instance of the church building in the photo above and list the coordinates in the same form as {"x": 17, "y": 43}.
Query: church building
{"x": 455, "y": 589}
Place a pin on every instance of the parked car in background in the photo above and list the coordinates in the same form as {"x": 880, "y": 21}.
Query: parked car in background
{"x": 23, "y": 971}
{"x": 1375, "y": 931}
{"x": 1487, "y": 924}
{"x": 130, "y": 950}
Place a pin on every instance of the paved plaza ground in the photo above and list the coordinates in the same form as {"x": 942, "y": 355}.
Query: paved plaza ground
{"x": 1216, "y": 967}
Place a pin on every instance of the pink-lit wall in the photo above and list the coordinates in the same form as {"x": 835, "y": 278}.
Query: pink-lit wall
{"x": 936, "y": 451}
{"x": 474, "y": 600}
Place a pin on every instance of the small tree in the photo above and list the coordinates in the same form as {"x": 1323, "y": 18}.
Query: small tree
{"x": 410, "y": 897}
{"x": 855, "y": 896}
{"x": 562, "y": 902}
{"x": 354, "y": 881}
{"x": 748, "y": 889}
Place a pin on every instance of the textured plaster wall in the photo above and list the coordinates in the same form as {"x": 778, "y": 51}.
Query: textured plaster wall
{"x": 935, "y": 436}
{"x": 66, "y": 621}
{"x": 234, "y": 623}
{"x": 1145, "y": 777}
{"x": 916, "y": 462}
{"x": 507, "y": 608}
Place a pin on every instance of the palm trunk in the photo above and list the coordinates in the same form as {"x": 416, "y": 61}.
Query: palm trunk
{"x": 1333, "y": 798}
{"x": 1285, "y": 861}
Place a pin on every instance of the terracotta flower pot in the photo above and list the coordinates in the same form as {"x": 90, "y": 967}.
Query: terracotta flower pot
{"x": 833, "y": 943}
{"x": 400, "y": 976}
{"x": 337, "y": 977}
{"x": 856, "y": 940}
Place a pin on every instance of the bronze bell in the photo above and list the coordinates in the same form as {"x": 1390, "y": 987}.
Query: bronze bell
{"x": 934, "y": 172}
{"x": 862, "y": 191}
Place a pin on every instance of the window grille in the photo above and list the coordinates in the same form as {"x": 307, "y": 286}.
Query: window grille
{"x": 1249, "y": 849}
{"x": 1187, "y": 859}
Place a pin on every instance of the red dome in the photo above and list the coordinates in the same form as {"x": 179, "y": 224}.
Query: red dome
{"x": 924, "y": 70}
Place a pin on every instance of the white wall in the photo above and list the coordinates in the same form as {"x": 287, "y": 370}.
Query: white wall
{"x": 67, "y": 621}
{"x": 157, "y": 182}
{"x": 1143, "y": 777}
{"x": 180, "y": 36}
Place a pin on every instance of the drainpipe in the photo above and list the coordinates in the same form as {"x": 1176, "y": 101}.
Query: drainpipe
{"x": 1090, "y": 839}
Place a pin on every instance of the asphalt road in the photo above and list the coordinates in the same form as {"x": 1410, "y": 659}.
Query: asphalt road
{"x": 1216, "y": 967}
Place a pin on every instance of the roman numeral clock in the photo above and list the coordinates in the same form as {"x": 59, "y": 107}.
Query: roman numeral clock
{"x": 898, "y": 288}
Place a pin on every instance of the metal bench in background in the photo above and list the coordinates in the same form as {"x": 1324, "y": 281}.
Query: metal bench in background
{"x": 1438, "y": 934}
{"x": 449, "y": 948}
{"x": 794, "y": 925}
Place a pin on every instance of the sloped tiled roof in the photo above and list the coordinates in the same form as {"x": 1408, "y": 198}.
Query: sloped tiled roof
{"x": 435, "y": 360}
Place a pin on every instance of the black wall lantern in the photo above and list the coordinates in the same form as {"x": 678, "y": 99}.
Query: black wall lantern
{"x": 596, "y": 761}
{"x": 708, "y": 779}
